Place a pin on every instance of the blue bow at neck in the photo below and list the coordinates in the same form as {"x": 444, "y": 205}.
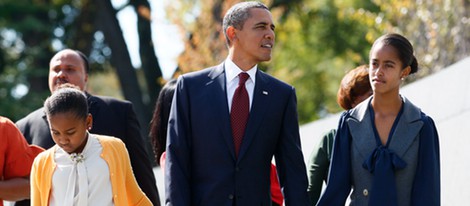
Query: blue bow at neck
{"x": 382, "y": 163}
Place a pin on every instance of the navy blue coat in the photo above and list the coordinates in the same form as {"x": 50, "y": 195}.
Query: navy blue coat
{"x": 201, "y": 166}
{"x": 412, "y": 153}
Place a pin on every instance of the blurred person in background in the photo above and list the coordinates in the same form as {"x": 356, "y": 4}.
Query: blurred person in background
{"x": 354, "y": 89}
{"x": 159, "y": 122}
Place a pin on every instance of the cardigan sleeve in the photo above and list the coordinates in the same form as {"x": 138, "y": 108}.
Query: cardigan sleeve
{"x": 339, "y": 179}
{"x": 427, "y": 182}
{"x": 34, "y": 188}
{"x": 41, "y": 177}
{"x": 134, "y": 195}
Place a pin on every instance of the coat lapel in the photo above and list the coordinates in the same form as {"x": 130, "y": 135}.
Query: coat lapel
{"x": 217, "y": 81}
{"x": 407, "y": 129}
{"x": 258, "y": 109}
{"x": 360, "y": 126}
{"x": 405, "y": 134}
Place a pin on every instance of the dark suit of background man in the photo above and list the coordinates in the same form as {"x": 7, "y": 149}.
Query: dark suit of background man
{"x": 110, "y": 117}
{"x": 203, "y": 166}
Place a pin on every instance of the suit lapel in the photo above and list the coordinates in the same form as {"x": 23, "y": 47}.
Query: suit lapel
{"x": 258, "y": 109}
{"x": 217, "y": 82}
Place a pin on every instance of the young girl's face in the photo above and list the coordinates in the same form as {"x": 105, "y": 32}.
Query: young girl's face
{"x": 385, "y": 69}
{"x": 70, "y": 132}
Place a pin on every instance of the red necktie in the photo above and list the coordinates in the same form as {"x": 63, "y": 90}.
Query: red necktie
{"x": 240, "y": 111}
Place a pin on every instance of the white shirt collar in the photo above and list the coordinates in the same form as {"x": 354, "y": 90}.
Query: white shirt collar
{"x": 232, "y": 71}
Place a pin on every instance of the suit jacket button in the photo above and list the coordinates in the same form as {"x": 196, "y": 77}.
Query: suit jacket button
{"x": 230, "y": 196}
{"x": 237, "y": 169}
{"x": 365, "y": 192}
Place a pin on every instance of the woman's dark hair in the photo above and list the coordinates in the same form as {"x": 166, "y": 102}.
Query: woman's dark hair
{"x": 67, "y": 99}
{"x": 159, "y": 122}
{"x": 353, "y": 85}
{"x": 403, "y": 47}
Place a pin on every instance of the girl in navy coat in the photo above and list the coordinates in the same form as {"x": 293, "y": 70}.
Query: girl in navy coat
{"x": 386, "y": 150}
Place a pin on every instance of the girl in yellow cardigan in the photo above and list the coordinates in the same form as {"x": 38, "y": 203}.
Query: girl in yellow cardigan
{"x": 82, "y": 168}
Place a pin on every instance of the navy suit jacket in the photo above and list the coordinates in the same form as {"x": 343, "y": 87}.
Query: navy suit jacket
{"x": 111, "y": 117}
{"x": 202, "y": 168}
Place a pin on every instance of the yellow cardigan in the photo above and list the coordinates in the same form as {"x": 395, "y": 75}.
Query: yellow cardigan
{"x": 126, "y": 191}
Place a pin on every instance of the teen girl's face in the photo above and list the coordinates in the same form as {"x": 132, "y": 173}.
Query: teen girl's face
{"x": 70, "y": 132}
{"x": 386, "y": 69}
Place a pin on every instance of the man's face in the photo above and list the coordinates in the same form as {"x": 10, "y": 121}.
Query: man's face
{"x": 67, "y": 67}
{"x": 255, "y": 41}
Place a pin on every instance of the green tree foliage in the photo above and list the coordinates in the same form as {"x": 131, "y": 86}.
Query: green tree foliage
{"x": 32, "y": 31}
{"x": 316, "y": 44}
{"x": 438, "y": 29}
{"x": 25, "y": 34}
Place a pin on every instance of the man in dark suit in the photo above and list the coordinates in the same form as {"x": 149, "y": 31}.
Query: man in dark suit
{"x": 110, "y": 117}
{"x": 206, "y": 163}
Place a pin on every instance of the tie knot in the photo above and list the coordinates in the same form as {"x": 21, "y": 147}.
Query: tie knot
{"x": 243, "y": 76}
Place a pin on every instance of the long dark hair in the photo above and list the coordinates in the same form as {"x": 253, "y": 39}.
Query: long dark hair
{"x": 159, "y": 122}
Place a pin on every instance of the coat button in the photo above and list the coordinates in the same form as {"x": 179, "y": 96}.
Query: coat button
{"x": 230, "y": 196}
{"x": 365, "y": 192}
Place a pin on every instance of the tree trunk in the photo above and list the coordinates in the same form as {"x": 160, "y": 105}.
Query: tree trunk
{"x": 149, "y": 60}
{"x": 82, "y": 38}
{"x": 121, "y": 61}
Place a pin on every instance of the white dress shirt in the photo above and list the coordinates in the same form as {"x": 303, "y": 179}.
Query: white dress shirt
{"x": 231, "y": 75}
{"x": 85, "y": 182}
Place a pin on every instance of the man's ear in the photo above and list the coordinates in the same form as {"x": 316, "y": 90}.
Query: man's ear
{"x": 231, "y": 33}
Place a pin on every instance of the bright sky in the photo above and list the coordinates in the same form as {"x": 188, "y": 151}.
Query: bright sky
{"x": 166, "y": 37}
